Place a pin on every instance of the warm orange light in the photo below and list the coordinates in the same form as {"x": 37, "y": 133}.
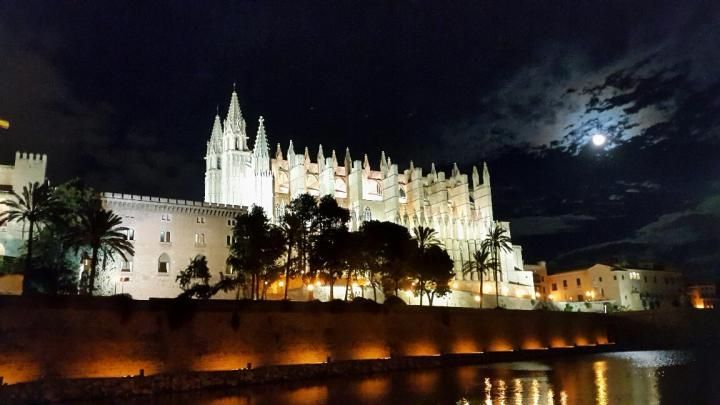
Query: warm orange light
{"x": 310, "y": 287}
{"x": 477, "y": 298}
{"x": 4, "y": 124}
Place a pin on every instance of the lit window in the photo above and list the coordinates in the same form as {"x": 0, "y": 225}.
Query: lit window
{"x": 127, "y": 266}
{"x": 164, "y": 263}
{"x": 127, "y": 233}
{"x": 368, "y": 214}
{"x": 199, "y": 239}
{"x": 165, "y": 236}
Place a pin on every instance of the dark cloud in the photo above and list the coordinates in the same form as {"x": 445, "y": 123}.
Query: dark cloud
{"x": 548, "y": 225}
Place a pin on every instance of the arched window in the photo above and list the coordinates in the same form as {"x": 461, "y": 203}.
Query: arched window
{"x": 164, "y": 263}
{"x": 217, "y": 163}
{"x": 379, "y": 188}
{"x": 283, "y": 182}
{"x": 368, "y": 214}
{"x": 402, "y": 193}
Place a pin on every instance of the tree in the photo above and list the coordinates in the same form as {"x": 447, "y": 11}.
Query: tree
{"x": 480, "y": 265}
{"x": 100, "y": 230}
{"x": 255, "y": 249}
{"x": 433, "y": 272}
{"x": 425, "y": 237}
{"x": 495, "y": 242}
{"x": 36, "y": 206}
{"x": 305, "y": 208}
{"x": 329, "y": 255}
{"x": 291, "y": 227}
{"x": 385, "y": 247}
{"x": 194, "y": 280}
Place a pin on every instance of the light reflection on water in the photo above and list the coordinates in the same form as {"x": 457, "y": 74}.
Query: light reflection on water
{"x": 665, "y": 377}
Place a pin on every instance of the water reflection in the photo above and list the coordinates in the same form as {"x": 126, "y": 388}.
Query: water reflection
{"x": 627, "y": 378}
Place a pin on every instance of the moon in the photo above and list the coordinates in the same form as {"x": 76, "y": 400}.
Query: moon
{"x": 599, "y": 139}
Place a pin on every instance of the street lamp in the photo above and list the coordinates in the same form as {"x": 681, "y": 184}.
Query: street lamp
{"x": 4, "y": 124}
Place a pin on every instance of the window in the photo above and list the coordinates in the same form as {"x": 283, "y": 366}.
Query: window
{"x": 402, "y": 193}
{"x": 199, "y": 239}
{"x": 127, "y": 233}
{"x": 615, "y": 278}
{"x": 554, "y": 286}
{"x": 231, "y": 222}
{"x": 227, "y": 240}
{"x": 164, "y": 263}
{"x": 127, "y": 266}
{"x": 165, "y": 236}
{"x": 166, "y": 217}
{"x": 229, "y": 269}
{"x": 200, "y": 220}
{"x": 600, "y": 279}
{"x": 623, "y": 277}
{"x": 602, "y": 292}
{"x": 564, "y": 283}
{"x": 577, "y": 282}
{"x": 580, "y": 297}
{"x": 368, "y": 214}
{"x": 645, "y": 278}
{"x": 217, "y": 163}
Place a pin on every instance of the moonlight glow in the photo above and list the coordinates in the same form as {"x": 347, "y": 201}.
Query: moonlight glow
{"x": 599, "y": 139}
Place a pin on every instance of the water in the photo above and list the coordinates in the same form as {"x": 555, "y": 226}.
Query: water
{"x": 650, "y": 377}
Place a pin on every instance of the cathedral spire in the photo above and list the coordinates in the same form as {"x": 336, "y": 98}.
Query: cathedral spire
{"x": 217, "y": 128}
{"x": 334, "y": 159}
{"x": 455, "y": 170}
{"x": 234, "y": 114}
{"x": 320, "y": 159}
{"x": 278, "y": 152}
{"x": 383, "y": 163}
{"x": 261, "y": 148}
{"x": 366, "y": 164}
{"x": 291, "y": 155}
{"x": 433, "y": 172}
{"x": 261, "y": 151}
{"x": 348, "y": 161}
{"x": 307, "y": 156}
{"x": 486, "y": 175}
{"x": 475, "y": 177}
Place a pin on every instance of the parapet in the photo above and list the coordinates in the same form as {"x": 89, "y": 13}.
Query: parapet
{"x": 30, "y": 156}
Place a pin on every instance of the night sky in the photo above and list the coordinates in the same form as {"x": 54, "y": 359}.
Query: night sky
{"x": 123, "y": 95}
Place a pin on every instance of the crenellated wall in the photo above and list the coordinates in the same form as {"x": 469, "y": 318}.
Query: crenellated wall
{"x": 93, "y": 337}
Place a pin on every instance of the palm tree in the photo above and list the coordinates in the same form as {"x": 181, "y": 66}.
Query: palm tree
{"x": 496, "y": 241}
{"x": 481, "y": 264}
{"x": 100, "y": 230}
{"x": 36, "y": 206}
{"x": 425, "y": 237}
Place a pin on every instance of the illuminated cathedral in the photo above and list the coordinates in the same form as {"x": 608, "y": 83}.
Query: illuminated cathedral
{"x": 458, "y": 206}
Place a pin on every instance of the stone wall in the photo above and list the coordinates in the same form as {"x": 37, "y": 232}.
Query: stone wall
{"x": 74, "y": 337}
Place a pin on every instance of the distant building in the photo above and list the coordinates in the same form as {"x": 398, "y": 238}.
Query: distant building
{"x": 631, "y": 289}
{"x": 704, "y": 295}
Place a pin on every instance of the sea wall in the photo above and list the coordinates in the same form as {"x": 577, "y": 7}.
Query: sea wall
{"x": 76, "y": 337}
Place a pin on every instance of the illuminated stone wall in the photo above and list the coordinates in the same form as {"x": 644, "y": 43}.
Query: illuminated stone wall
{"x": 78, "y": 336}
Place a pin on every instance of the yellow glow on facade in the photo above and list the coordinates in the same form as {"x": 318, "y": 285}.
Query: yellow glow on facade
{"x": 4, "y": 124}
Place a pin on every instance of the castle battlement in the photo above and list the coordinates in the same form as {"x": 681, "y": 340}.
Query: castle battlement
{"x": 30, "y": 156}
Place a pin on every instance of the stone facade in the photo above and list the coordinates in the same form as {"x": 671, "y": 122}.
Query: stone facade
{"x": 458, "y": 206}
